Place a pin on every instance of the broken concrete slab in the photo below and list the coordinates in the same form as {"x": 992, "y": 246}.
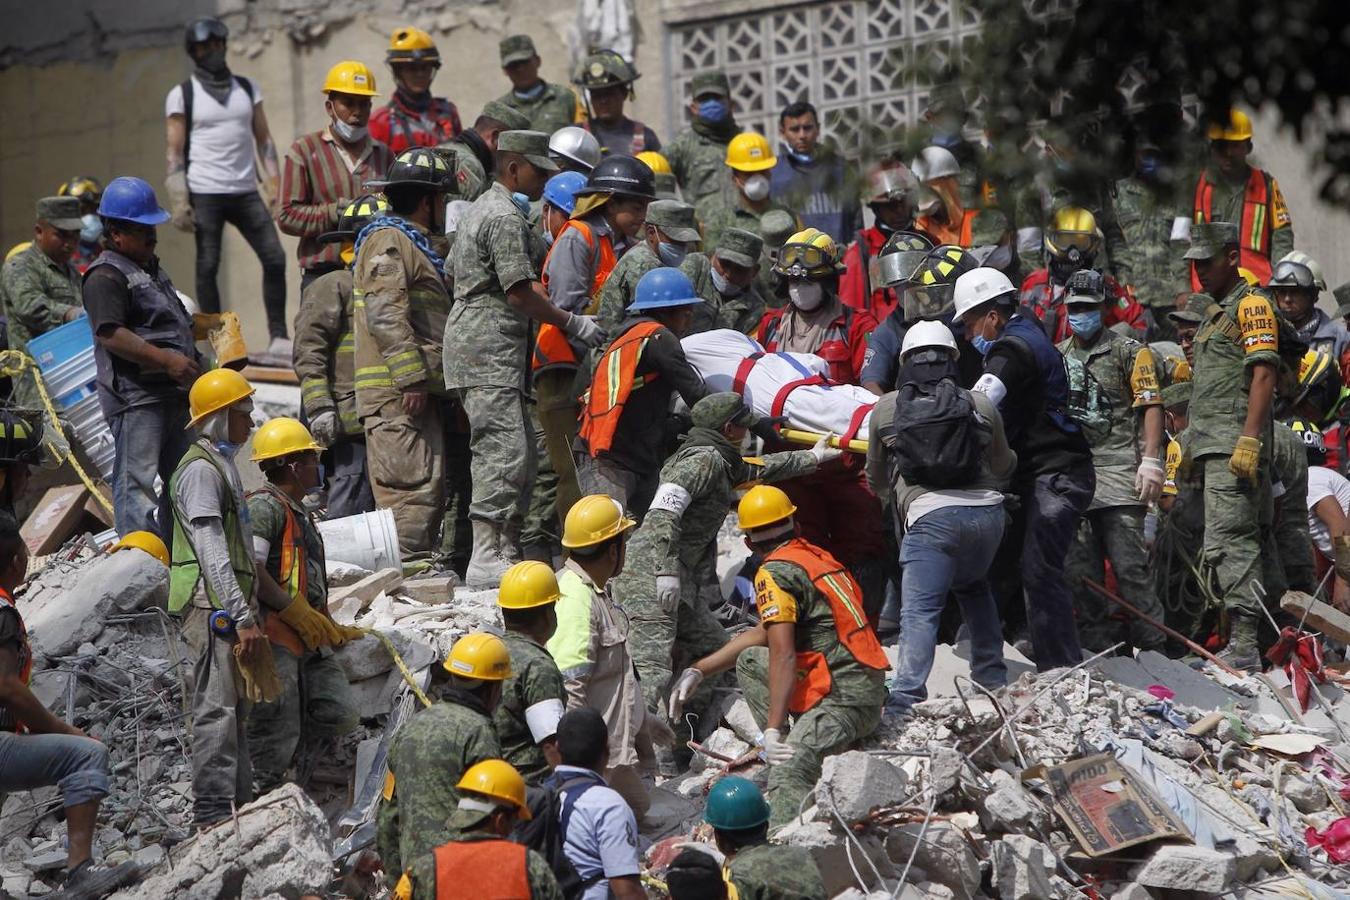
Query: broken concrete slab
{"x": 1186, "y": 868}
{"x": 368, "y": 657}
{"x": 430, "y": 591}
{"x": 1024, "y": 869}
{"x": 367, "y": 589}
{"x": 857, "y": 783}
{"x": 944, "y": 854}
{"x": 951, "y": 661}
{"x": 1317, "y": 615}
{"x": 60, "y": 622}
{"x": 1012, "y": 808}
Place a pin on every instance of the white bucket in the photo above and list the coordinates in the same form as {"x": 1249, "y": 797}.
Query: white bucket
{"x": 71, "y": 381}
{"x": 92, "y": 434}
{"x": 368, "y": 540}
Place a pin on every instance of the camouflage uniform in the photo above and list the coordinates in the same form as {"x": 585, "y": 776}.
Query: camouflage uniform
{"x": 774, "y": 872}
{"x": 316, "y": 700}
{"x": 1113, "y": 527}
{"x": 742, "y": 312}
{"x": 1178, "y": 548}
{"x": 1147, "y": 215}
{"x": 723, "y": 209}
{"x": 1289, "y": 465}
{"x": 617, "y": 291}
{"x": 426, "y": 759}
{"x": 698, "y": 154}
{"x": 422, "y": 871}
{"x": 534, "y": 679}
{"x": 38, "y": 294}
{"x": 553, "y": 107}
{"x": 472, "y": 175}
{"x": 852, "y": 708}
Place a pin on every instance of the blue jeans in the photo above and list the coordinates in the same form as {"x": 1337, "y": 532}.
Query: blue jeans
{"x": 250, "y": 215}
{"x": 1054, "y": 504}
{"x": 948, "y": 550}
{"x": 77, "y": 765}
{"x": 149, "y": 441}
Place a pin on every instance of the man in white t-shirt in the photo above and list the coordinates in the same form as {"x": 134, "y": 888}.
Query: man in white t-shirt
{"x": 1328, "y": 509}
{"x": 215, "y": 123}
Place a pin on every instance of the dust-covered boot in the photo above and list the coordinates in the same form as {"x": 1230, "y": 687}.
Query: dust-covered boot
{"x": 487, "y": 565}
{"x": 1243, "y": 651}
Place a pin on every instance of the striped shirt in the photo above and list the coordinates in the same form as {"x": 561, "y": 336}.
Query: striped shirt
{"x": 317, "y": 181}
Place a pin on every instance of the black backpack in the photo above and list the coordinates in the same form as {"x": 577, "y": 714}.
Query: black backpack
{"x": 935, "y": 439}
{"x": 551, "y": 807}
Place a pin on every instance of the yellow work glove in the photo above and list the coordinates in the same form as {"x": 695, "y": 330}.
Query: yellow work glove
{"x": 1341, "y": 545}
{"x": 1245, "y": 457}
{"x": 314, "y": 628}
{"x": 349, "y": 633}
{"x": 261, "y": 684}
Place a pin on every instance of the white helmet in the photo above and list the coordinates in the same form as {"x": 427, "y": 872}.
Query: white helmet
{"x": 934, "y": 162}
{"x": 928, "y": 334}
{"x": 576, "y": 144}
{"x": 977, "y": 287}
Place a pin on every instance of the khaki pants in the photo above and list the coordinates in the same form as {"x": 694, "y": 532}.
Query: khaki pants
{"x": 222, "y": 777}
{"x": 555, "y": 394}
{"x": 406, "y": 458}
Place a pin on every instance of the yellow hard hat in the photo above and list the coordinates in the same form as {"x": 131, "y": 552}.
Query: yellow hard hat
{"x": 479, "y": 655}
{"x": 528, "y": 584}
{"x": 350, "y": 77}
{"x": 1239, "y": 128}
{"x": 282, "y": 437}
{"x": 17, "y": 249}
{"x": 810, "y": 253}
{"x": 656, "y": 162}
{"x": 498, "y": 779}
{"x": 1183, "y": 371}
{"x": 593, "y": 520}
{"x": 1072, "y": 228}
{"x": 749, "y": 151}
{"x": 763, "y": 505}
{"x": 147, "y": 541}
{"x": 216, "y": 390}
{"x": 409, "y": 44}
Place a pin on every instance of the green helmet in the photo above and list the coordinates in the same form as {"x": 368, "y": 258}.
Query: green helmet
{"x": 735, "y": 804}
{"x": 604, "y": 68}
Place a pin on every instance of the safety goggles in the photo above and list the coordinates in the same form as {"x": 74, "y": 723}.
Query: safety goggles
{"x": 1082, "y": 241}
{"x": 204, "y": 30}
{"x": 1292, "y": 274}
{"x": 805, "y": 256}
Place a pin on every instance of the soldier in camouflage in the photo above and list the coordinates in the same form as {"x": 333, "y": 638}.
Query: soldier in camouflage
{"x": 547, "y": 106}
{"x": 1151, "y": 208}
{"x": 534, "y": 697}
{"x": 1289, "y": 533}
{"x": 775, "y": 227}
{"x": 697, "y": 155}
{"x": 743, "y": 198}
{"x": 757, "y": 869}
{"x": 727, "y": 280}
{"x": 669, "y": 233}
{"x": 469, "y": 154}
{"x": 1178, "y": 547}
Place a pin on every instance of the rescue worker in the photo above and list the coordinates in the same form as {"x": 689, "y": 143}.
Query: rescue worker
{"x": 754, "y": 868}
{"x": 1072, "y": 242}
{"x": 41, "y": 286}
{"x": 813, "y": 176}
{"x": 145, "y": 354}
{"x": 813, "y": 655}
{"x": 744, "y": 197}
{"x": 496, "y": 276}
{"x": 213, "y": 588}
{"x": 1297, "y": 283}
{"x": 891, "y": 195}
{"x": 944, "y": 214}
{"x": 1153, "y": 214}
{"x": 670, "y": 576}
{"x": 668, "y": 233}
{"x": 438, "y": 745}
{"x": 557, "y": 202}
{"x": 1186, "y": 321}
{"x": 574, "y": 149}
{"x": 325, "y": 361}
{"x": 606, "y": 79}
{"x": 548, "y": 107}
{"x": 1326, "y": 501}
{"x": 922, "y": 278}
{"x": 470, "y": 154}
{"x": 288, "y": 557}
{"x": 533, "y": 697}
{"x": 1179, "y": 545}
{"x": 607, "y": 218}
{"x": 416, "y": 448}
{"x": 480, "y": 860}
{"x": 698, "y": 154}
{"x": 1128, "y": 462}
{"x": 666, "y": 186}
{"x": 413, "y": 117}
{"x": 20, "y": 450}
{"x": 625, "y": 432}
{"x": 726, "y": 279}
{"x": 1292, "y": 542}
{"x": 88, "y": 190}
{"x": 325, "y": 170}
{"x": 1236, "y": 192}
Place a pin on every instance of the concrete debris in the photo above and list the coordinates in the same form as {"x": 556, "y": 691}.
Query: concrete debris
{"x": 944, "y": 853}
{"x": 1024, "y": 869}
{"x": 1011, "y": 808}
{"x": 855, "y": 783}
{"x": 1181, "y": 868}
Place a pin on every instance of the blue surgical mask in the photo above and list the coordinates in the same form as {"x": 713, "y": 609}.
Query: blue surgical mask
{"x": 1150, "y": 165}
{"x": 227, "y": 449}
{"x": 713, "y": 111}
{"x": 671, "y": 254}
{"x": 91, "y": 228}
{"x": 981, "y": 344}
{"x": 1085, "y": 324}
{"x": 531, "y": 93}
{"x": 724, "y": 287}
{"x": 522, "y": 202}
{"x": 803, "y": 158}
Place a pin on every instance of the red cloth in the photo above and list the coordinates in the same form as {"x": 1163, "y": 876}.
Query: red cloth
{"x": 1335, "y": 839}
{"x": 854, "y": 282}
{"x": 844, "y": 346}
{"x": 400, "y": 126}
{"x": 1301, "y": 656}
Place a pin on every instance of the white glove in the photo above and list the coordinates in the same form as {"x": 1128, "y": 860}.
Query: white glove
{"x": 1148, "y": 480}
{"x": 668, "y": 592}
{"x": 324, "y": 427}
{"x": 823, "y": 452}
{"x": 776, "y": 750}
{"x": 685, "y": 686}
{"x": 585, "y": 331}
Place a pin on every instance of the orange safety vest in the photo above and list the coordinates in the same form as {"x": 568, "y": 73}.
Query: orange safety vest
{"x": 8, "y": 720}
{"x": 1256, "y": 227}
{"x": 293, "y": 576}
{"x": 552, "y": 347}
{"x": 615, "y": 379}
{"x": 483, "y": 870}
{"x": 944, "y": 233}
{"x": 850, "y": 622}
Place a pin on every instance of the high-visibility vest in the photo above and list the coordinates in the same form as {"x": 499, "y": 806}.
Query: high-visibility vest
{"x": 552, "y": 347}
{"x": 292, "y": 574}
{"x": 1255, "y": 229}
{"x": 615, "y": 379}
{"x": 944, "y": 233}
{"x": 484, "y": 870}
{"x": 184, "y": 570}
{"x": 833, "y": 580}
{"x": 8, "y": 720}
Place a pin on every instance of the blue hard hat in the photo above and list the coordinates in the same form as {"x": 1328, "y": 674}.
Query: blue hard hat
{"x": 663, "y": 287}
{"x": 561, "y": 190}
{"x": 735, "y": 804}
{"x": 133, "y": 200}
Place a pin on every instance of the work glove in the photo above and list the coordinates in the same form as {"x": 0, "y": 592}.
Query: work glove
{"x": 259, "y": 671}
{"x": 684, "y": 688}
{"x": 1341, "y": 544}
{"x": 668, "y": 592}
{"x": 1245, "y": 457}
{"x": 776, "y": 750}
{"x": 315, "y": 629}
{"x": 348, "y": 633}
{"x": 1148, "y": 479}
{"x": 180, "y": 202}
{"x": 766, "y": 428}
{"x": 324, "y": 427}
{"x": 585, "y": 331}
{"x": 823, "y": 452}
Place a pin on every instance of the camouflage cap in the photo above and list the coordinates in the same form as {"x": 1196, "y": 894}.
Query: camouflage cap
{"x": 716, "y": 410}
{"x": 1342, "y": 295}
{"x": 776, "y": 226}
{"x": 705, "y": 83}
{"x": 513, "y": 119}
{"x": 675, "y": 219}
{"x": 1193, "y": 313}
{"x": 516, "y": 48}
{"x": 60, "y": 212}
{"x": 744, "y": 248}
{"x": 533, "y": 145}
{"x": 1176, "y": 394}
{"x": 666, "y": 186}
{"x": 1209, "y": 238}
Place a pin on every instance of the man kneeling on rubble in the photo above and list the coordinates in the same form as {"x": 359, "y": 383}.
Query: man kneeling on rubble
{"x": 813, "y": 654}
{"x": 37, "y": 748}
